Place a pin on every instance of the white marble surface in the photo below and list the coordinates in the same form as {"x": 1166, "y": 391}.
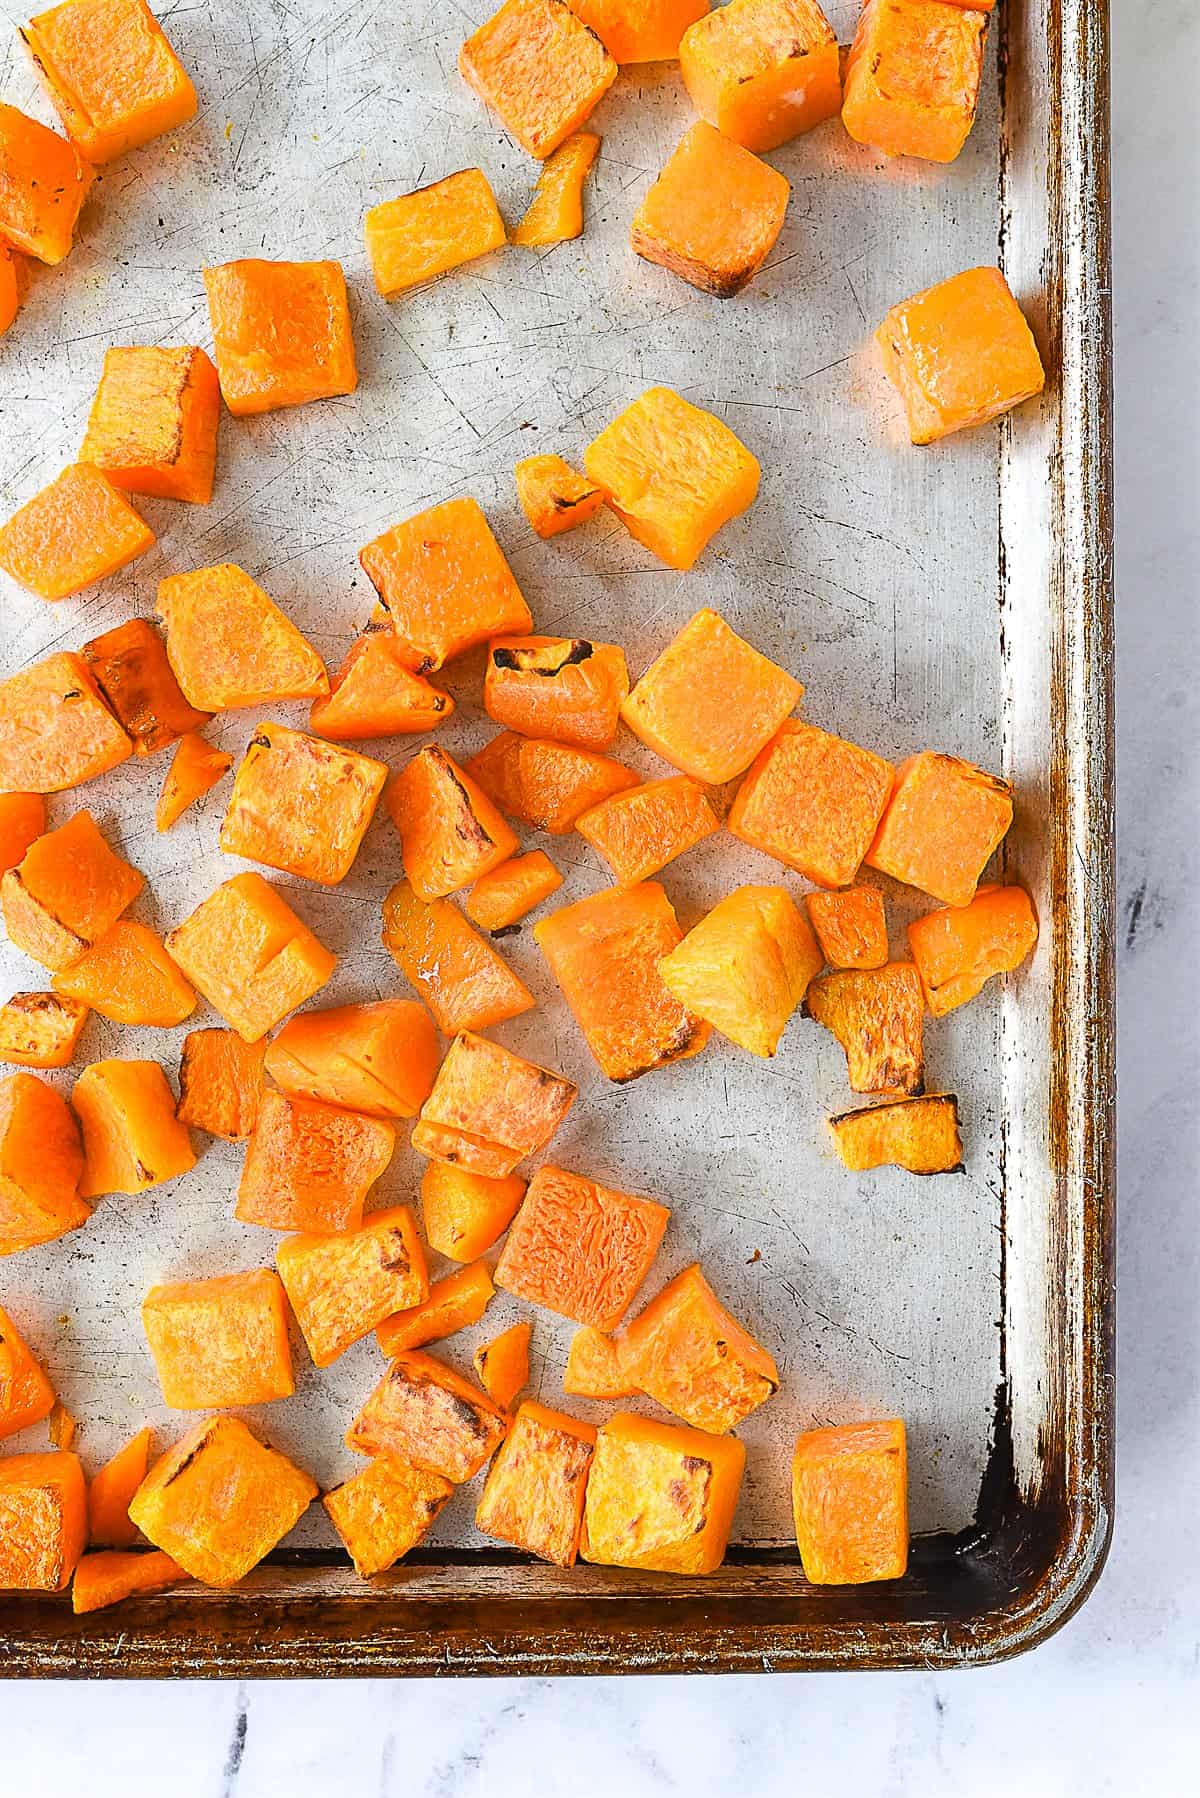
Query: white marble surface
{"x": 1110, "y": 1705}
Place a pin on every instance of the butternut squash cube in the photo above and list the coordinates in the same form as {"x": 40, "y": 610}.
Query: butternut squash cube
{"x": 137, "y": 681}
{"x": 944, "y": 822}
{"x": 640, "y": 30}
{"x": 247, "y": 952}
{"x": 72, "y": 534}
{"x": 43, "y": 1521}
{"x": 22, "y": 820}
{"x": 813, "y": 801}
{"x": 912, "y": 77}
{"x": 380, "y": 1059}
{"x": 301, "y": 805}
{"x": 376, "y": 694}
{"x": 128, "y": 977}
{"x": 220, "y": 1500}
{"x": 498, "y": 900}
{"x": 40, "y": 1030}
{"x": 426, "y": 1413}
{"x": 462, "y": 979}
{"x": 450, "y": 832}
{"x": 762, "y": 71}
{"x": 43, "y": 184}
{"x": 465, "y": 1213}
{"x": 554, "y": 498}
{"x": 110, "y": 1578}
{"x": 851, "y": 926}
{"x": 958, "y": 950}
{"x": 41, "y": 1162}
{"x": 26, "y": 1395}
{"x": 688, "y": 1353}
{"x": 220, "y": 1083}
{"x": 438, "y": 227}
{"x": 595, "y": 1366}
{"x": 877, "y": 1014}
{"x": 281, "y": 333}
{"x": 68, "y": 891}
{"x": 132, "y": 1139}
{"x": 579, "y": 1248}
{"x": 453, "y": 1304}
{"x": 539, "y": 69}
{"x": 660, "y": 1496}
{"x": 546, "y": 785}
{"x": 10, "y": 288}
{"x": 341, "y": 1287}
{"x": 114, "y": 79}
{"x": 533, "y": 1495}
{"x": 220, "y": 1342}
{"x": 153, "y": 423}
{"x": 639, "y": 831}
{"x": 746, "y": 966}
{"x": 919, "y": 1135}
{"x": 502, "y": 1365}
{"x": 555, "y": 215}
{"x": 713, "y": 215}
{"x": 560, "y": 687}
{"x": 310, "y": 1166}
{"x": 195, "y": 769}
{"x": 384, "y": 1511}
{"x": 489, "y": 1108}
{"x": 55, "y": 729}
{"x": 230, "y": 645}
{"x": 850, "y": 1498}
{"x": 110, "y": 1493}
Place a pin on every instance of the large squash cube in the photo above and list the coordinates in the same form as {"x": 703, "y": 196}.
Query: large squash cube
{"x": 850, "y": 1498}
{"x": 55, "y": 729}
{"x": 301, "y": 805}
{"x": 877, "y": 1014}
{"x": 220, "y": 1342}
{"x": 376, "y": 694}
{"x": 247, "y": 952}
{"x": 762, "y": 71}
{"x": 310, "y": 1166}
{"x": 132, "y": 1139}
{"x": 533, "y": 1495}
{"x": 43, "y": 184}
{"x": 539, "y": 69}
{"x": 640, "y": 30}
{"x": 813, "y": 801}
{"x": 439, "y": 227}
{"x": 153, "y": 423}
{"x": 489, "y": 1108}
{"x": 220, "y": 1083}
{"x": 341, "y": 1287}
{"x": 135, "y": 676}
{"x": 26, "y": 1395}
{"x": 72, "y": 534}
{"x": 41, "y": 1162}
{"x": 429, "y": 1415}
{"x": 919, "y": 1135}
{"x": 958, "y": 950}
{"x": 546, "y": 785}
{"x": 67, "y": 892}
{"x": 230, "y": 645}
{"x": 560, "y": 687}
{"x": 384, "y": 1511}
{"x": 579, "y": 1248}
{"x": 43, "y": 1521}
{"x": 746, "y": 966}
{"x": 40, "y": 1030}
{"x": 464, "y": 1213}
{"x": 912, "y": 77}
{"x": 454, "y": 1303}
{"x": 851, "y": 926}
{"x": 281, "y": 333}
{"x": 466, "y": 984}
{"x": 959, "y": 354}
{"x": 686, "y": 1351}
{"x": 660, "y": 1496}
{"x": 714, "y": 213}
{"x": 129, "y": 978}
{"x": 450, "y": 831}
{"x": 114, "y": 79}
{"x": 378, "y": 1058}
{"x": 642, "y": 829}
{"x": 942, "y": 826}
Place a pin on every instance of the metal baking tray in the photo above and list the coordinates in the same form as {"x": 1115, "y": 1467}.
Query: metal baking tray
{"x": 957, "y": 597}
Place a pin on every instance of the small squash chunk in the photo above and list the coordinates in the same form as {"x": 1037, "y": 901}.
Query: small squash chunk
{"x": 462, "y": 979}
{"x": 310, "y": 1166}
{"x": 502, "y": 1365}
{"x": 672, "y": 473}
{"x": 422, "y": 234}
{"x": 68, "y": 891}
{"x": 55, "y": 729}
{"x": 301, "y": 805}
{"x": 220, "y": 1500}
{"x": 851, "y": 926}
{"x": 746, "y": 966}
{"x": 919, "y": 1135}
{"x": 594, "y": 1366}
{"x": 554, "y": 215}
{"x": 944, "y": 822}
{"x": 465, "y": 1213}
{"x": 912, "y": 77}
{"x": 72, "y": 534}
{"x": 561, "y": 687}
{"x": 546, "y": 785}
{"x": 454, "y": 1303}
{"x": 553, "y": 496}
{"x": 10, "y": 287}
{"x": 43, "y": 1521}
{"x": 230, "y": 645}
{"x": 111, "y": 1490}
{"x": 26, "y": 1395}
{"x": 376, "y": 694}
{"x": 114, "y": 79}
{"x": 384, "y": 1511}
{"x": 195, "y": 769}
{"x": 688, "y": 1353}
{"x": 762, "y": 71}
{"x": 850, "y": 1500}
{"x": 877, "y": 1014}
{"x": 489, "y": 1108}
{"x": 426, "y": 1413}
{"x": 639, "y": 831}
{"x": 713, "y": 215}
{"x": 539, "y": 69}
{"x": 958, "y": 950}
{"x": 959, "y": 354}
{"x": 111, "y": 1576}
{"x": 43, "y": 184}
{"x": 281, "y": 333}
{"x": 341, "y": 1287}
{"x": 499, "y": 900}
{"x": 40, "y": 1030}
{"x": 247, "y": 952}
{"x": 445, "y": 582}
{"x": 380, "y": 1059}
{"x": 640, "y": 30}
{"x": 660, "y": 1496}
{"x": 533, "y": 1495}
{"x": 131, "y": 669}
{"x": 132, "y": 1139}
{"x": 220, "y": 1342}
{"x": 61, "y": 1426}
{"x": 153, "y": 423}
{"x": 450, "y": 832}
{"x": 813, "y": 802}
{"x": 22, "y": 821}
{"x": 41, "y": 1161}
{"x": 220, "y": 1083}
{"x": 605, "y": 953}
{"x": 128, "y": 977}
{"x": 579, "y": 1248}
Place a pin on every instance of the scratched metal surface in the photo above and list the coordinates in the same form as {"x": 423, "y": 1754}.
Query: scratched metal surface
{"x": 870, "y": 569}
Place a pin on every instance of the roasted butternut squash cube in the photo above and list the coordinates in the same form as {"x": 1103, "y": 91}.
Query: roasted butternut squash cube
{"x": 110, "y": 1493}
{"x": 445, "y": 582}
{"x": 595, "y": 1367}
{"x": 533, "y": 1495}
{"x": 919, "y": 1135}
{"x": 67, "y": 892}
{"x": 958, "y": 950}
{"x": 426, "y": 1413}
{"x": 672, "y": 473}
{"x": 561, "y": 687}
{"x": 502, "y": 1365}
{"x": 281, "y": 333}
{"x": 555, "y": 215}
{"x": 10, "y": 288}
{"x": 41, "y": 1162}
{"x": 61, "y": 1426}
{"x": 462, "y": 979}
{"x": 114, "y": 79}
{"x": 153, "y": 423}
{"x": 22, "y": 821}
{"x": 380, "y": 1059}
{"x": 137, "y": 681}
{"x": 877, "y": 1014}
{"x": 376, "y": 694}
{"x": 912, "y": 77}
{"x": 454, "y": 1303}
{"x": 221, "y": 1500}
{"x": 850, "y": 1498}
{"x": 40, "y": 1030}
{"x": 195, "y": 769}
{"x": 247, "y": 952}
{"x": 301, "y": 805}
{"x": 465, "y": 1213}
{"x": 128, "y": 977}
{"x": 384, "y": 1511}
{"x": 43, "y": 1521}
{"x": 72, "y": 534}
{"x": 310, "y": 1166}
{"x": 26, "y": 1395}
{"x": 499, "y": 899}
{"x": 220, "y": 1083}
{"x": 944, "y": 822}
{"x": 605, "y": 953}
{"x": 55, "y": 729}
{"x": 546, "y": 785}
{"x": 762, "y": 71}
{"x": 111, "y": 1577}
{"x": 554, "y": 498}
{"x": 710, "y": 702}
{"x": 230, "y": 645}
{"x": 435, "y": 228}
{"x": 450, "y": 831}
{"x": 660, "y": 1496}
{"x": 813, "y": 801}
{"x": 43, "y": 184}
{"x": 341, "y": 1287}
{"x": 490, "y": 1108}
{"x": 132, "y": 1139}
{"x": 640, "y": 30}
{"x": 220, "y": 1342}
{"x": 687, "y": 1352}
{"x": 579, "y": 1248}
{"x": 746, "y": 966}
{"x": 713, "y": 215}
{"x": 851, "y": 926}
{"x": 539, "y": 69}
{"x": 639, "y": 831}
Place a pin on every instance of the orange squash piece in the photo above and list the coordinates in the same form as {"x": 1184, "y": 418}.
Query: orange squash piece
{"x": 746, "y": 966}
{"x": 850, "y": 1499}
{"x": 310, "y": 1166}
{"x": 55, "y": 729}
{"x": 220, "y": 1083}
{"x": 640, "y": 30}
{"x": 220, "y": 1500}
{"x": 540, "y": 70}
{"x": 561, "y": 687}
{"x": 40, "y": 1030}
{"x": 912, "y": 77}
{"x": 605, "y": 953}
{"x": 877, "y": 1015}
{"x": 462, "y": 979}
{"x": 688, "y": 1353}
{"x": 813, "y": 801}
{"x": 72, "y": 534}
{"x": 245, "y": 950}
{"x": 594, "y": 1366}
{"x": 10, "y": 287}
{"x": 195, "y": 769}
{"x": 713, "y": 215}
{"x": 762, "y": 71}
{"x": 43, "y": 184}
{"x": 579, "y": 1248}
{"x": 114, "y": 79}
{"x": 376, "y": 694}
{"x": 67, "y": 892}
{"x": 111, "y": 1490}
{"x": 301, "y": 805}
{"x": 959, "y": 354}
{"x": 639, "y": 831}
{"x": 919, "y": 1135}
{"x": 660, "y": 1496}
{"x": 128, "y": 977}
{"x": 454, "y": 1303}
{"x": 132, "y": 1139}
{"x": 341, "y": 1287}
{"x": 380, "y": 1059}
{"x": 465, "y": 1213}
{"x": 944, "y": 822}
{"x": 41, "y": 1161}
{"x": 546, "y": 785}
{"x": 43, "y": 1521}
{"x": 426, "y": 1413}
{"x": 22, "y": 820}
{"x": 153, "y": 423}
{"x": 438, "y": 227}
{"x": 957, "y": 951}
{"x": 384, "y": 1511}
{"x": 502, "y": 1365}
{"x": 489, "y": 1108}
{"x": 61, "y": 1426}
{"x": 553, "y": 496}
{"x": 230, "y": 645}
{"x": 555, "y": 215}
{"x": 500, "y": 899}
{"x": 851, "y": 926}
{"x": 26, "y": 1395}
{"x": 220, "y": 1342}
{"x": 281, "y": 333}
{"x": 533, "y": 1495}
{"x": 133, "y": 674}
{"x": 445, "y": 582}
{"x": 110, "y": 1577}
{"x": 450, "y": 832}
